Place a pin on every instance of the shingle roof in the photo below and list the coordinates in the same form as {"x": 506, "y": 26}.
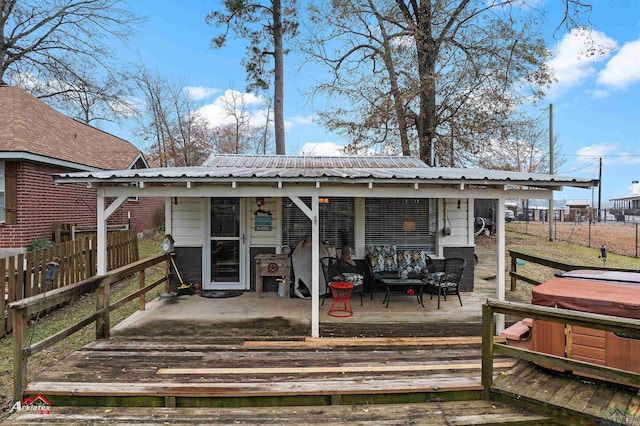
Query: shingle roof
{"x": 29, "y": 126}
{"x": 335, "y": 169}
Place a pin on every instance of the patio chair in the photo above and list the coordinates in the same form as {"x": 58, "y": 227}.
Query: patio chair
{"x": 333, "y": 269}
{"x": 445, "y": 282}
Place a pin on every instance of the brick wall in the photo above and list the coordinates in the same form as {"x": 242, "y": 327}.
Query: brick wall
{"x": 40, "y": 203}
{"x": 141, "y": 212}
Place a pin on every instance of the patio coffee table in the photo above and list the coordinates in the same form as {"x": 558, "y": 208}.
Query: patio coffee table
{"x": 398, "y": 282}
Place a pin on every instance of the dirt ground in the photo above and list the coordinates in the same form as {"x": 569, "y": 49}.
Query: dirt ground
{"x": 618, "y": 238}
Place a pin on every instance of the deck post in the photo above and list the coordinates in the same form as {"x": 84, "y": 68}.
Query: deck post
{"x": 514, "y": 269}
{"x": 141, "y": 298}
{"x": 501, "y": 252}
{"x": 488, "y": 324}
{"x": 19, "y": 319}
{"x": 103, "y": 326}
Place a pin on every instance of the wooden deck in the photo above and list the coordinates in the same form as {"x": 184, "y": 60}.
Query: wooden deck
{"x": 577, "y": 399}
{"x": 429, "y": 381}
{"x": 312, "y": 371}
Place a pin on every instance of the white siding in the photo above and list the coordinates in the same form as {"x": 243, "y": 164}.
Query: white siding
{"x": 265, "y": 238}
{"x": 457, "y": 219}
{"x": 187, "y": 222}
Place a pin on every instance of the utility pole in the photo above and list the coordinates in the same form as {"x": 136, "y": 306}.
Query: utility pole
{"x": 550, "y": 208}
{"x": 599, "y": 189}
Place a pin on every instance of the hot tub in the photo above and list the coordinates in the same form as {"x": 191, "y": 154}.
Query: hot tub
{"x": 582, "y": 291}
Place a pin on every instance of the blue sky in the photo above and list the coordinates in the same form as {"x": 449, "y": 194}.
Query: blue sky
{"x": 595, "y": 100}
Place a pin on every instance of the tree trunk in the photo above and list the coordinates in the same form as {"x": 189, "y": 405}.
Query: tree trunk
{"x": 426, "y": 53}
{"x": 278, "y": 90}
{"x": 398, "y": 98}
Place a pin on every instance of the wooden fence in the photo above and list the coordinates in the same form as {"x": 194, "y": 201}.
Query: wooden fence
{"x": 24, "y": 274}
{"x": 554, "y": 264}
{"x": 26, "y": 308}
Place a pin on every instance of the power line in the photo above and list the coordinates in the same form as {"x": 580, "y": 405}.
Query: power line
{"x": 600, "y": 156}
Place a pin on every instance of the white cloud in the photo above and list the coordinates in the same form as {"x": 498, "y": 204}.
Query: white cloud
{"x": 611, "y": 154}
{"x": 297, "y": 120}
{"x": 624, "y": 68}
{"x": 198, "y": 93}
{"x": 575, "y": 55}
{"x": 321, "y": 148}
{"x": 597, "y": 94}
{"x": 217, "y": 112}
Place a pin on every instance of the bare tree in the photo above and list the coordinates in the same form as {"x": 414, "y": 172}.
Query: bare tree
{"x": 525, "y": 149}
{"x": 264, "y": 24}
{"x": 169, "y": 118}
{"x": 367, "y": 70}
{"x": 418, "y": 72}
{"x": 46, "y": 46}
{"x": 239, "y": 132}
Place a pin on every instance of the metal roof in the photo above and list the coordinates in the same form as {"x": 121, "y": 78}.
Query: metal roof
{"x": 334, "y": 169}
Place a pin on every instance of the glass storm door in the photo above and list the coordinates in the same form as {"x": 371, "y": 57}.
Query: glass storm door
{"x": 224, "y": 262}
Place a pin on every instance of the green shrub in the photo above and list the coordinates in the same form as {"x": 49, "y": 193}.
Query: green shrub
{"x": 40, "y": 244}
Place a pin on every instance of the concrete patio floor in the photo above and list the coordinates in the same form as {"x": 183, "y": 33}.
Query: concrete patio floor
{"x": 402, "y": 307}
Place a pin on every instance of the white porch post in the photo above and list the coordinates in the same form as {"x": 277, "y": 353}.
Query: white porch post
{"x": 500, "y": 275}
{"x": 313, "y": 215}
{"x": 315, "y": 266}
{"x": 103, "y": 214}
{"x": 101, "y": 237}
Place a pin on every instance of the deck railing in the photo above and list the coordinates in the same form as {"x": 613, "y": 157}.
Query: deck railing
{"x": 566, "y": 316}
{"x": 554, "y": 264}
{"x": 24, "y": 275}
{"x": 24, "y": 309}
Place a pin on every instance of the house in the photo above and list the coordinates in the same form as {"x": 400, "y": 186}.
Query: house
{"x": 37, "y": 142}
{"x": 223, "y": 213}
{"x": 579, "y": 210}
{"x": 631, "y": 202}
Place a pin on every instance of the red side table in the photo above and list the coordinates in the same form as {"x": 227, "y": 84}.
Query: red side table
{"x": 341, "y": 306}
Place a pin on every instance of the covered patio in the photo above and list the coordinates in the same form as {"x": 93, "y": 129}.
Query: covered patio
{"x": 404, "y": 317}
{"x": 385, "y": 201}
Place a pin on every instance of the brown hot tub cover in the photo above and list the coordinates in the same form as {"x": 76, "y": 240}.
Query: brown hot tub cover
{"x": 589, "y": 295}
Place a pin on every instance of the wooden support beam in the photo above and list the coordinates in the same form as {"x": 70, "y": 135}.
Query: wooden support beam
{"x": 20, "y": 325}
{"x": 488, "y": 325}
{"x": 141, "y": 298}
{"x": 103, "y": 323}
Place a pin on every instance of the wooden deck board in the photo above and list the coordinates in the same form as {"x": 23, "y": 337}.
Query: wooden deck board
{"x": 342, "y": 369}
{"x": 566, "y": 391}
{"x": 619, "y": 401}
{"x": 567, "y": 394}
{"x": 634, "y": 406}
{"x": 273, "y": 388}
{"x": 599, "y": 401}
{"x": 546, "y": 391}
{"x": 581, "y": 398}
{"x": 430, "y": 413}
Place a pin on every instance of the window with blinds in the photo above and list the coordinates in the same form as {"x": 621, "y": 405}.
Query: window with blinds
{"x": 407, "y": 223}
{"x": 336, "y": 215}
